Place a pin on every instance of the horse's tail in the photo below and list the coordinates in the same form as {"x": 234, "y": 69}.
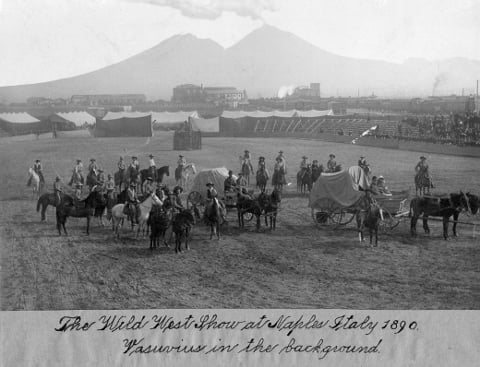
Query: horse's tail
{"x": 39, "y": 203}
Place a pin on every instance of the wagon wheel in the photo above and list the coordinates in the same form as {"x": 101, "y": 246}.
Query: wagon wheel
{"x": 328, "y": 213}
{"x": 195, "y": 199}
{"x": 388, "y": 222}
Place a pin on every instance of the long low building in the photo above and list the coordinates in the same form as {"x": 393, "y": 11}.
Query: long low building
{"x": 17, "y": 123}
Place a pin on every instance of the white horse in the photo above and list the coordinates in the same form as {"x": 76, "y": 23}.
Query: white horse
{"x": 118, "y": 216}
{"x": 34, "y": 181}
{"x": 182, "y": 177}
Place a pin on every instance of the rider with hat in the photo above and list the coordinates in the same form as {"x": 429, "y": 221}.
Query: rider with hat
{"x": 77, "y": 175}
{"x": 149, "y": 186}
{"x": 304, "y": 163}
{"x": 177, "y": 201}
{"x": 121, "y": 166}
{"x": 152, "y": 168}
{"x": 229, "y": 183}
{"x": 212, "y": 197}
{"x": 93, "y": 167}
{"x": 132, "y": 207}
{"x": 422, "y": 170}
{"x": 316, "y": 170}
{"x": 110, "y": 185}
{"x": 37, "y": 167}
{"x": 100, "y": 177}
{"x": 331, "y": 164}
{"x": 241, "y": 182}
{"x": 362, "y": 162}
{"x": 181, "y": 162}
{"x": 57, "y": 190}
{"x": 246, "y": 160}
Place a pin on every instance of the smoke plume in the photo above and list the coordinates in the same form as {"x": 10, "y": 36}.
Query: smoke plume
{"x": 439, "y": 80}
{"x": 286, "y": 90}
{"x": 212, "y": 9}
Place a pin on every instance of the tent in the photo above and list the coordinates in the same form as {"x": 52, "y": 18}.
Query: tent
{"x": 339, "y": 189}
{"x": 124, "y": 126}
{"x": 216, "y": 176}
{"x": 18, "y": 123}
{"x": 124, "y": 114}
{"x": 314, "y": 113}
{"x": 172, "y": 117}
{"x": 76, "y": 118}
{"x": 205, "y": 125}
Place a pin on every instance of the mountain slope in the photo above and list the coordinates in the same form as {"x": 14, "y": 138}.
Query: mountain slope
{"x": 261, "y": 63}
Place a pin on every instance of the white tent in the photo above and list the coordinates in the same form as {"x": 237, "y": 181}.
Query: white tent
{"x": 18, "y": 118}
{"x": 118, "y": 115}
{"x": 79, "y": 118}
{"x": 314, "y": 113}
{"x": 206, "y": 125}
{"x": 216, "y": 176}
{"x": 172, "y": 117}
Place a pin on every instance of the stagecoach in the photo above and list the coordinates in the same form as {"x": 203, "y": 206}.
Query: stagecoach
{"x": 336, "y": 198}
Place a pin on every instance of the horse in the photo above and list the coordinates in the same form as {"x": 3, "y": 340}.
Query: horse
{"x": 246, "y": 171}
{"x": 94, "y": 199}
{"x": 159, "y": 174}
{"x": 182, "y": 225}
{"x": 444, "y": 207}
{"x": 304, "y": 180}
{"x": 423, "y": 184}
{"x": 317, "y": 172}
{"x": 159, "y": 221}
{"x": 120, "y": 177}
{"x": 34, "y": 181}
{"x": 369, "y": 218}
{"x": 91, "y": 179}
{"x": 182, "y": 173}
{"x": 278, "y": 179}
{"x": 145, "y": 206}
{"x": 213, "y": 217}
{"x": 269, "y": 205}
{"x": 49, "y": 198}
{"x": 262, "y": 179}
{"x": 248, "y": 205}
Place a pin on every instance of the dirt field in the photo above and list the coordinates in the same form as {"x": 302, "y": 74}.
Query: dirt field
{"x": 298, "y": 265}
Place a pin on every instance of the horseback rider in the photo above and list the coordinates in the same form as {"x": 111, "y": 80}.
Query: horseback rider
{"x": 132, "y": 207}
{"x": 304, "y": 165}
{"x": 331, "y": 164}
{"x": 93, "y": 167}
{"x": 135, "y": 163}
{"x": 57, "y": 190}
{"x": 37, "y": 167}
{"x": 212, "y": 197}
{"x": 422, "y": 167}
{"x": 134, "y": 169}
{"x": 110, "y": 186}
{"x": 283, "y": 161}
{"x": 262, "y": 167}
{"x": 181, "y": 162}
{"x": 177, "y": 201}
{"x": 382, "y": 188}
{"x": 241, "y": 182}
{"x": 77, "y": 175}
{"x": 246, "y": 160}
{"x": 78, "y": 191}
{"x": 121, "y": 166}
{"x": 362, "y": 163}
{"x": 229, "y": 183}
{"x": 100, "y": 177}
{"x": 152, "y": 168}
{"x": 316, "y": 170}
{"x": 149, "y": 186}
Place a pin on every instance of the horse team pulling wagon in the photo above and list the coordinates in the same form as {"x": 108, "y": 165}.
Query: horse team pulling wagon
{"x": 337, "y": 198}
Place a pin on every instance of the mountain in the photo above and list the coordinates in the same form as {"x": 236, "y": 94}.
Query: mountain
{"x": 260, "y": 63}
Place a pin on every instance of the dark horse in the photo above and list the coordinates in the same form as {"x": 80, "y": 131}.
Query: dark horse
{"x": 49, "y": 199}
{"x": 369, "y": 218}
{"x": 159, "y": 221}
{"x": 159, "y": 174}
{"x": 248, "y": 205}
{"x": 304, "y": 180}
{"x": 262, "y": 179}
{"x": 269, "y": 205}
{"x": 182, "y": 225}
{"x": 444, "y": 207}
{"x": 82, "y": 209}
{"x": 423, "y": 184}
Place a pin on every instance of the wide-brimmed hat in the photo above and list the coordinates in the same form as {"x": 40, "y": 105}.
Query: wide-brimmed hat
{"x": 240, "y": 174}
{"x": 280, "y": 152}
{"x": 209, "y": 184}
{"x": 134, "y": 157}
{"x": 109, "y": 175}
{"x": 381, "y": 178}
{"x": 304, "y": 157}
{"x": 57, "y": 178}
{"x": 37, "y": 160}
{"x": 332, "y": 155}
{"x": 261, "y": 158}
{"x": 79, "y": 160}
{"x": 180, "y": 155}
{"x": 315, "y": 161}
{"x": 423, "y": 157}
{"x": 92, "y": 159}
{"x": 230, "y": 172}
{"x": 100, "y": 170}
{"x": 151, "y": 156}
{"x": 362, "y": 156}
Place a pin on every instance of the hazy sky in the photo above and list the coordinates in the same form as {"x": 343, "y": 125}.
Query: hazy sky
{"x": 50, "y": 39}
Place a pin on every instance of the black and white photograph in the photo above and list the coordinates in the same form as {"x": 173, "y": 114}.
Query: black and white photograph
{"x": 267, "y": 154}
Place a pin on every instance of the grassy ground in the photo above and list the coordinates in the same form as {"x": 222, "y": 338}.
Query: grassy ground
{"x": 298, "y": 265}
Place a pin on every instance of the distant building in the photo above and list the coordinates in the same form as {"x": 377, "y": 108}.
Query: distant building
{"x": 108, "y": 99}
{"x": 229, "y": 97}
{"x": 188, "y": 93}
{"x": 307, "y": 92}
{"x": 42, "y": 101}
